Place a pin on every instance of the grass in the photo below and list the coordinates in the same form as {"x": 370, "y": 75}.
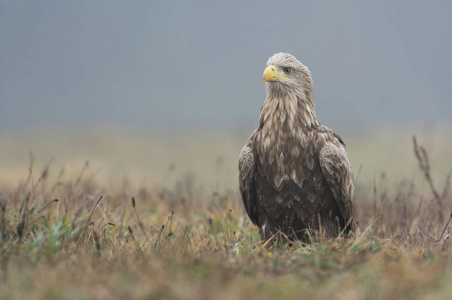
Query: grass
{"x": 79, "y": 236}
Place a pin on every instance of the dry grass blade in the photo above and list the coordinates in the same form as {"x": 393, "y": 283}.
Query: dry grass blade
{"x": 131, "y": 233}
{"x": 97, "y": 242}
{"x": 445, "y": 227}
{"x": 86, "y": 223}
{"x": 105, "y": 225}
{"x": 424, "y": 164}
{"x": 41, "y": 209}
{"x": 447, "y": 185}
{"x": 320, "y": 224}
{"x": 138, "y": 218}
{"x": 346, "y": 226}
{"x": 24, "y": 209}
{"x": 269, "y": 240}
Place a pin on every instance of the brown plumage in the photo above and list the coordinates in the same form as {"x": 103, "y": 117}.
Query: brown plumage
{"x": 294, "y": 173}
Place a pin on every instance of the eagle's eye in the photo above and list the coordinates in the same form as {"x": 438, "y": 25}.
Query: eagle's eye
{"x": 287, "y": 70}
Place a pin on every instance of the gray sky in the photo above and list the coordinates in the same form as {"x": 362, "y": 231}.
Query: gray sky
{"x": 153, "y": 65}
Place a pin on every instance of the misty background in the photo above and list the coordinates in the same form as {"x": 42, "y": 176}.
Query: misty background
{"x": 198, "y": 64}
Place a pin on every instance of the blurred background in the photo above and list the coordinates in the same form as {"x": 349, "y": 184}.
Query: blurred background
{"x": 156, "y": 92}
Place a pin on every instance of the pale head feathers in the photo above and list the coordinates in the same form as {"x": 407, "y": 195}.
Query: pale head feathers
{"x": 289, "y": 101}
{"x": 299, "y": 81}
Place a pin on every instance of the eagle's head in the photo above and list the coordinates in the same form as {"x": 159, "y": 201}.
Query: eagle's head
{"x": 284, "y": 74}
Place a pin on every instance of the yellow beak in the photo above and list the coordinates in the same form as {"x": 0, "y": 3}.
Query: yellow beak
{"x": 271, "y": 73}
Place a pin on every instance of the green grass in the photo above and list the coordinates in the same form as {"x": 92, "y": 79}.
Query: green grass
{"x": 192, "y": 240}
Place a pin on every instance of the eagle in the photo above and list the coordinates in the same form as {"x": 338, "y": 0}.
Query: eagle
{"x": 294, "y": 173}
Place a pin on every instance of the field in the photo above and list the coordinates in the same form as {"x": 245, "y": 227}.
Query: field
{"x": 117, "y": 214}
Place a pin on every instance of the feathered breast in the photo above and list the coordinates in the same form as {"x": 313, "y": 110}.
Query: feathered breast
{"x": 284, "y": 140}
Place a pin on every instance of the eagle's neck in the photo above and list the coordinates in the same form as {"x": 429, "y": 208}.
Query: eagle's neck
{"x": 287, "y": 112}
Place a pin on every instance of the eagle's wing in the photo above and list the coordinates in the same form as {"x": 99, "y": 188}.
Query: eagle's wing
{"x": 338, "y": 173}
{"x": 247, "y": 180}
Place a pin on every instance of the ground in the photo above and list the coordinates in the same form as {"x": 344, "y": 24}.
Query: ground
{"x": 123, "y": 215}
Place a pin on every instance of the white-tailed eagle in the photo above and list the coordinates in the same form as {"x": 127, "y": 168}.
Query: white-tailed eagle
{"x": 294, "y": 173}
